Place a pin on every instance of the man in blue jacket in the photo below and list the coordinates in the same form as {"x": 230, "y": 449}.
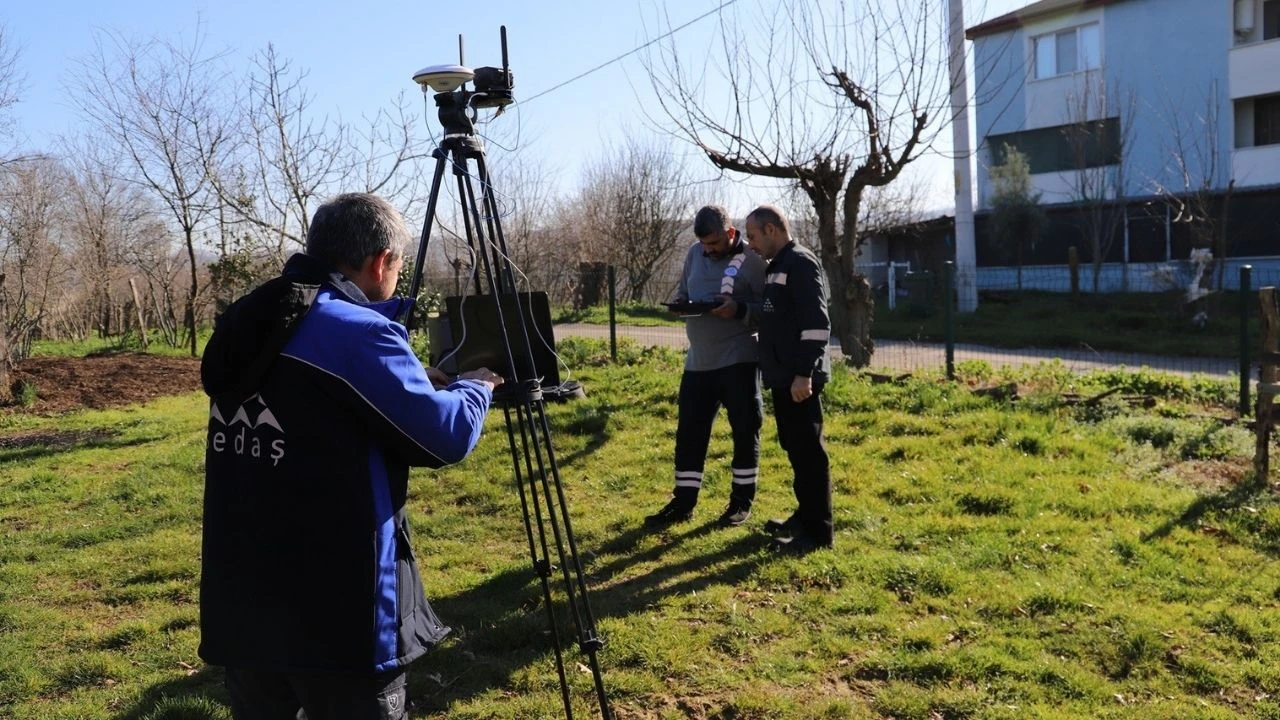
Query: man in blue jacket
{"x": 794, "y": 332}
{"x": 309, "y": 593}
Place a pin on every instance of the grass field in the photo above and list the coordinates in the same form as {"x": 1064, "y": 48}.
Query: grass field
{"x": 1155, "y": 323}
{"x": 994, "y": 558}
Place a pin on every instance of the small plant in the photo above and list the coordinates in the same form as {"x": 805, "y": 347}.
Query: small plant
{"x": 24, "y": 393}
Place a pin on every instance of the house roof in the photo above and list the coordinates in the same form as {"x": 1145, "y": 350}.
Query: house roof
{"x": 1034, "y": 11}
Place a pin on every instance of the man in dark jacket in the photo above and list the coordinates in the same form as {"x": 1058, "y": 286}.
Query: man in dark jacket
{"x": 794, "y": 333}
{"x": 309, "y": 593}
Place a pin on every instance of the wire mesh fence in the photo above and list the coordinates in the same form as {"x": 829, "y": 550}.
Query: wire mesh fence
{"x": 1192, "y": 317}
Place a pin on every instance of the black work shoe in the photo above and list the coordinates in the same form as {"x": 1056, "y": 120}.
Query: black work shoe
{"x": 801, "y": 544}
{"x": 673, "y": 512}
{"x": 734, "y": 515}
{"x": 783, "y": 528}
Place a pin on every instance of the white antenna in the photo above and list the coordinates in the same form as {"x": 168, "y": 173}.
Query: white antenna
{"x": 443, "y": 78}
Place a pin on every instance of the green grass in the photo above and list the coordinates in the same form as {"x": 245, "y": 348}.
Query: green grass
{"x": 119, "y": 343}
{"x": 633, "y": 313}
{"x": 1138, "y": 322}
{"x": 993, "y": 559}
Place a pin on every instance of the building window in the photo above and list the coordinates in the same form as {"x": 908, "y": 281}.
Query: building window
{"x": 1266, "y": 121}
{"x": 1271, "y": 19}
{"x": 1070, "y": 51}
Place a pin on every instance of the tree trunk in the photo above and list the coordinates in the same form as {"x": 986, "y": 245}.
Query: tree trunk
{"x": 191, "y": 296}
{"x": 6, "y": 392}
{"x": 852, "y": 311}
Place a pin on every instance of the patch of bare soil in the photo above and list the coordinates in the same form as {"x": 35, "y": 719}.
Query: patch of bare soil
{"x": 1212, "y": 475}
{"x": 64, "y": 384}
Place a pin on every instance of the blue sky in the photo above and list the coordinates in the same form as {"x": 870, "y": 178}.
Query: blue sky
{"x": 358, "y": 59}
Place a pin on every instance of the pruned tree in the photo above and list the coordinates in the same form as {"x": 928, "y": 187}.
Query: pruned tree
{"x": 1200, "y": 192}
{"x": 835, "y": 97}
{"x": 1016, "y": 216}
{"x": 1099, "y": 138}
{"x": 638, "y": 207}
{"x": 160, "y": 104}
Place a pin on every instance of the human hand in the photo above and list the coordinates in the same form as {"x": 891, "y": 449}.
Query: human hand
{"x": 437, "y": 377}
{"x": 484, "y": 375}
{"x": 727, "y": 308}
{"x": 801, "y": 388}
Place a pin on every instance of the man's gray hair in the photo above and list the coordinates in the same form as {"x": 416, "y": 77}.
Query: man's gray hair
{"x": 772, "y": 215}
{"x": 710, "y": 219}
{"x": 353, "y": 226}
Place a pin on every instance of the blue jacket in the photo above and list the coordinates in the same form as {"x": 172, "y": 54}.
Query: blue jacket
{"x": 318, "y": 409}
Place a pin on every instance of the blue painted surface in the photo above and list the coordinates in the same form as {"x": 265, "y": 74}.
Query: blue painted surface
{"x": 1172, "y": 55}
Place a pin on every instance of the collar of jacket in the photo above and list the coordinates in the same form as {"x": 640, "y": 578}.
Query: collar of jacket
{"x": 739, "y": 246}
{"x": 786, "y": 249}
{"x": 305, "y": 269}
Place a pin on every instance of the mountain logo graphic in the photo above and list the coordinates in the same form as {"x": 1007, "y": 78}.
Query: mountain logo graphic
{"x": 262, "y": 413}
{"x": 243, "y": 435}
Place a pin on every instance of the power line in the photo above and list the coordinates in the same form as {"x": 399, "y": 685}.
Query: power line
{"x": 633, "y": 51}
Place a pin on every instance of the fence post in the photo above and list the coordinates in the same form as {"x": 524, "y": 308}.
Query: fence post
{"x": 1268, "y": 374}
{"x": 893, "y": 285}
{"x": 1246, "y": 273}
{"x": 948, "y": 321}
{"x": 613, "y": 316}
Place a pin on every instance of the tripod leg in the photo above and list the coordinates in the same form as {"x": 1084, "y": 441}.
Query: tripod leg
{"x": 415, "y": 285}
{"x": 541, "y": 564}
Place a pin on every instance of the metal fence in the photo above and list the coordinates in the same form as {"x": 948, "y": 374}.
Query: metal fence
{"x": 1192, "y": 296}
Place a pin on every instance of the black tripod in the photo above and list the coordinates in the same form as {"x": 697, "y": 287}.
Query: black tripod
{"x": 542, "y": 500}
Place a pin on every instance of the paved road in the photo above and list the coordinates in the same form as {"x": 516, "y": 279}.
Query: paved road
{"x": 907, "y": 356}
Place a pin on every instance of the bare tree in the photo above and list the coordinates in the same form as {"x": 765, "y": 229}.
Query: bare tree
{"x": 1198, "y": 196}
{"x": 1099, "y": 138}
{"x": 637, "y": 206}
{"x": 525, "y": 197}
{"x": 387, "y": 153}
{"x": 11, "y": 82}
{"x": 32, "y": 219}
{"x": 836, "y": 97}
{"x": 283, "y": 157}
{"x": 103, "y": 210}
{"x": 159, "y": 103}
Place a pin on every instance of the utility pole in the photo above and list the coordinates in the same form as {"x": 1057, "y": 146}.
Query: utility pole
{"x": 966, "y": 258}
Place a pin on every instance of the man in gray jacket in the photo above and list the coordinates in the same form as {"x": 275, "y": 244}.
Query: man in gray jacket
{"x": 720, "y": 367}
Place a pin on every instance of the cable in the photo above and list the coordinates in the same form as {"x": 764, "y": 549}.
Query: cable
{"x": 633, "y": 51}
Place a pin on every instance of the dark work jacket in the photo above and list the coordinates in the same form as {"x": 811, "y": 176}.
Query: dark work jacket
{"x": 318, "y": 409}
{"x": 794, "y": 326}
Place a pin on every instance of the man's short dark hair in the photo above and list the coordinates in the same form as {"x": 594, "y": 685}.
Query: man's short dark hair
{"x": 353, "y": 226}
{"x": 710, "y": 219}
{"x": 772, "y": 215}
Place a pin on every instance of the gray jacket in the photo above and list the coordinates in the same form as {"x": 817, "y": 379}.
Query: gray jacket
{"x": 716, "y": 342}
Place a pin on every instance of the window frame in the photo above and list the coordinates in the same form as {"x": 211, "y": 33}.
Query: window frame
{"x": 1081, "y": 55}
{"x": 1266, "y": 126}
{"x": 1272, "y": 27}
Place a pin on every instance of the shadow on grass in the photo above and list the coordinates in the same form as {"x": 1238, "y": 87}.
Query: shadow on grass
{"x": 33, "y": 446}
{"x": 199, "y": 696}
{"x": 1234, "y": 499}
{"x": 502, "y": 630}
{"x": 502, "y": 627}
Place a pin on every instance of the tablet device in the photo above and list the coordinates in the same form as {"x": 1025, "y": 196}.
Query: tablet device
{"x": 690, "y": 308}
